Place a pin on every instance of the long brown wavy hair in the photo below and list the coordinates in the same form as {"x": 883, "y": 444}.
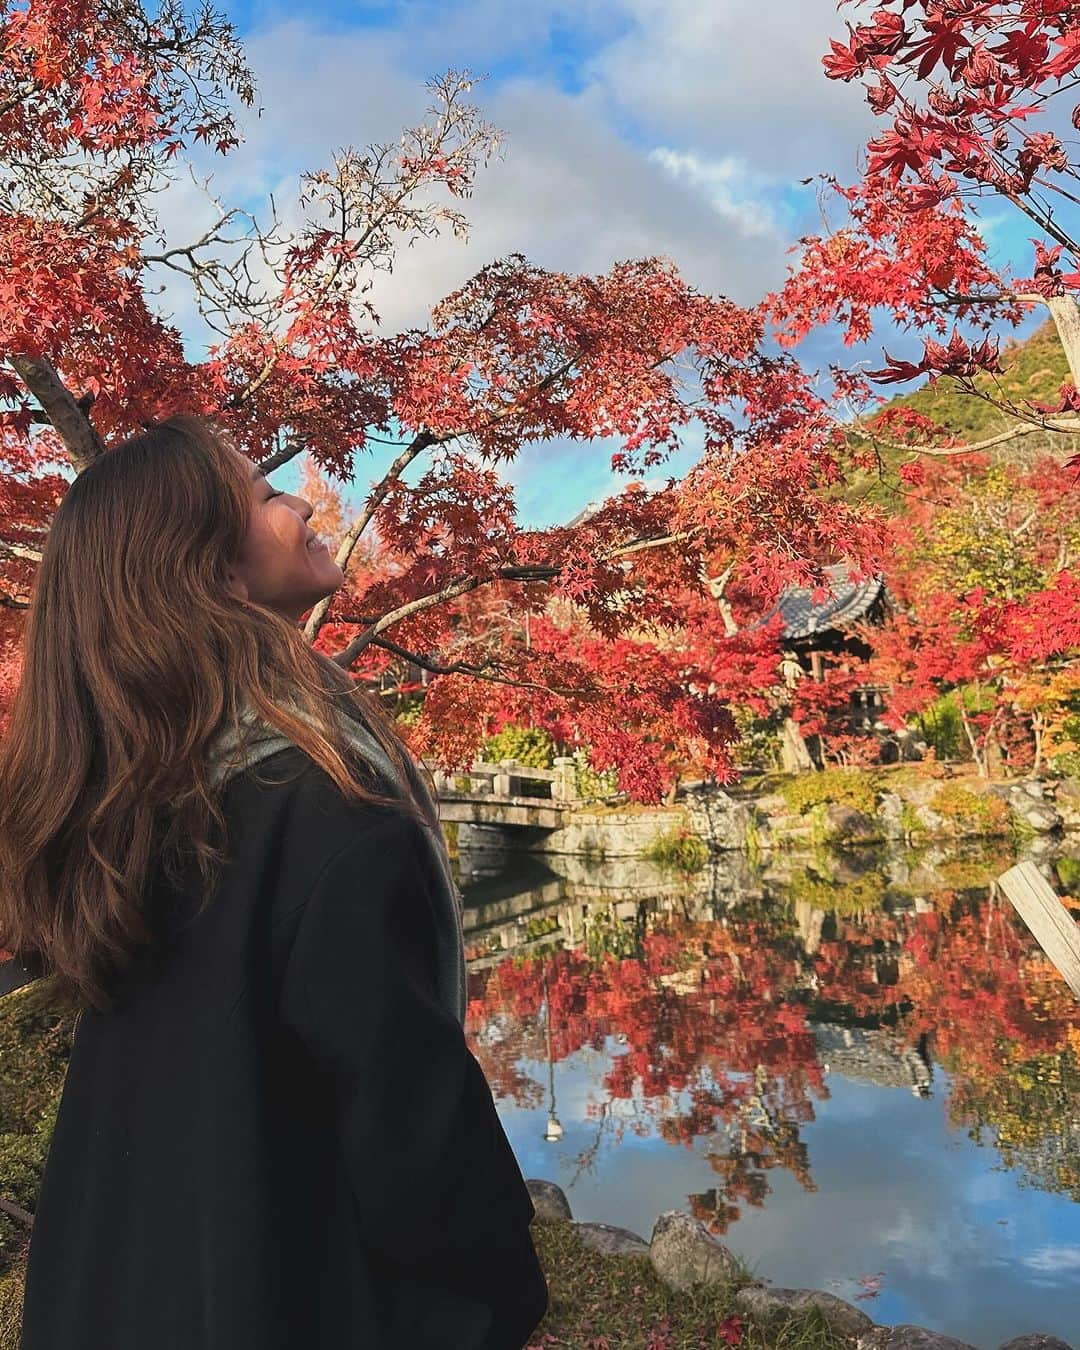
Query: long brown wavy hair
{"x": 136, "y": 655}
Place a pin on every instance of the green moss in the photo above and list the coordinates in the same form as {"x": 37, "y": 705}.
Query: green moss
{"x": 854, "y": 788}
{"x": 450, "y": 833}
{"x": 1068, "y": 870}
{"x": 971, "y": 812}
{"x": 910, "y": 823}
{"x": 850, "y": 895}
{"x": 679, "y": 849}
{"x": 752, "y": 840}
{"x": 609, "y": 1302}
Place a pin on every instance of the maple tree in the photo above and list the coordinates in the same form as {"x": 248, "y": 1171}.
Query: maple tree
{"x": 977, "y": 107}
{"x": 98, "y": 108}
{"x": 975, "y": 99}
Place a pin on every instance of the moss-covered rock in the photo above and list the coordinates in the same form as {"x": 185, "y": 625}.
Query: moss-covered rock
{"x": 853, "y": 788}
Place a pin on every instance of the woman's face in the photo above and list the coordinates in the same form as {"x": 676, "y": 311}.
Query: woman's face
{"x": 276, "y": 566}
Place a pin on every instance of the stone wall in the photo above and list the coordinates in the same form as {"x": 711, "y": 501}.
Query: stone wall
{"x": 908, "y": 810}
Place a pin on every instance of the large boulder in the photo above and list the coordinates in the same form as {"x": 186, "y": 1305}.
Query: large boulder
{"x": 1067, "y": 802}
{"x": 771, "y": 1309}
{"x": 684, "y": 1253}
{"x": 611, "y": 1241}
{"x": 1028, "y": 805}
{"x": 549, "y": 1201}
{"x": 910, "y": 1338}
{"x": 846, "y": 825}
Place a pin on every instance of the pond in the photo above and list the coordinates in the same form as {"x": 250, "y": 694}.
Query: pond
{"x": 859, "y": 1070}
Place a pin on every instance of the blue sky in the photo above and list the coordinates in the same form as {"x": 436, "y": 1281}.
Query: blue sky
{"x": 633, "y": 127}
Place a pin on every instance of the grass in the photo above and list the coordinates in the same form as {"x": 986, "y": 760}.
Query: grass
{"x": 618, "y": 1303}
{"x": 680, "y": 850}
{"x": 35, "y": 1041}
{"x": 599, "y": 1302}
{"x": 11, "y": 1299}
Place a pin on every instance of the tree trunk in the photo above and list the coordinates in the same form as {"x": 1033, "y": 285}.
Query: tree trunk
{"x": 67, "y": 415}
{"x": 794, "y": 753}
{"x": 1066, "y": 316}
{"x": 1037, "y": 725}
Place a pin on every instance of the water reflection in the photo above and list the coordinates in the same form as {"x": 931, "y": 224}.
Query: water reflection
{"x": 761, "y": 1017}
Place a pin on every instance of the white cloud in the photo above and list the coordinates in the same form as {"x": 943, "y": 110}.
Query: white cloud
{"x": 1054, "y": 1259}
{"x": 742, "y": 77}
{"x": 726, "y": 184}
{"x": 572, "y": 192}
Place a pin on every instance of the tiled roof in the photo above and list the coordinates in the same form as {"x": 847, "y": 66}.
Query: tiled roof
{"x": 849, "y": 602}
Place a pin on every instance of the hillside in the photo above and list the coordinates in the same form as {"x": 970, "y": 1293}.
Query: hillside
{"x": 1033, "y": 371}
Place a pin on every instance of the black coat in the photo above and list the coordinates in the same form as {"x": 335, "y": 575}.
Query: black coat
{"x": 279, "y": 1140}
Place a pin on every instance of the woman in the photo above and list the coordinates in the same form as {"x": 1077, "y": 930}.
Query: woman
{"x": 272, "y": 1133}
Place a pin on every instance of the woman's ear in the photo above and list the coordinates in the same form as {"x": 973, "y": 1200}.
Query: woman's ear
{"x": 237, "y": 586}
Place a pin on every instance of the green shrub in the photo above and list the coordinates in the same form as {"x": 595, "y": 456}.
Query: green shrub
{"x": 679, "y": 849}
{"x": 758, "y": 743}
{"x": 941, "y": 728}
{"x": 910, "y": 823}
{"x": 593, "y": 784}
{"x": 1067, "y": 763}
{"x": 530, "y": 746}
{"x": 971, "y": 811}
{"x": 941, "y": 725}
{"x": 408, "y": 711}
{"x": 1068, "y": 870}
{"x": 844, "y": 787}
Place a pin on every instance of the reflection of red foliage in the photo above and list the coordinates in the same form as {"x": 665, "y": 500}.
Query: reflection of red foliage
{"x": 715, "y": 1017}
{"x": 704, "y": 1012}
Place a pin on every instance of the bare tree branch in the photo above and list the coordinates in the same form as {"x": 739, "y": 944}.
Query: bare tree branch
{"x": 488, "y": 671}
{"x": 1024, "y": 429}
{"x": 639, "y": 545}
{"x": 19, "y": 551}
{"x": 363, "y": 640}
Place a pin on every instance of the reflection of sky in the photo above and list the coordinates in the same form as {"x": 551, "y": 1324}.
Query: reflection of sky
{"x": 964, "y": 1249}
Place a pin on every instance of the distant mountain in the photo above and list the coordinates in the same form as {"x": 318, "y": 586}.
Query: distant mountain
{"x": 1033, "y": 371}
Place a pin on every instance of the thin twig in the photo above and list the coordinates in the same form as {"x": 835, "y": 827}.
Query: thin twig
{"x": 16, "y": 1212}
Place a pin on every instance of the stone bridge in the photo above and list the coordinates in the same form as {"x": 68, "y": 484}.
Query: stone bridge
{"x": 507, "y": 795}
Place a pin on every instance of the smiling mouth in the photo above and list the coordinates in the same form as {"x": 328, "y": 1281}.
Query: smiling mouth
{"x": 315, "y": 544}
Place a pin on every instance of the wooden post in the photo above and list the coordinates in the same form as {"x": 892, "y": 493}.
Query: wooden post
{"x": 1040, "y": 907}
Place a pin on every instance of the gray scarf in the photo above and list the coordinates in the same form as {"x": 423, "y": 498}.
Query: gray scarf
{"x": 263, "y": 740}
